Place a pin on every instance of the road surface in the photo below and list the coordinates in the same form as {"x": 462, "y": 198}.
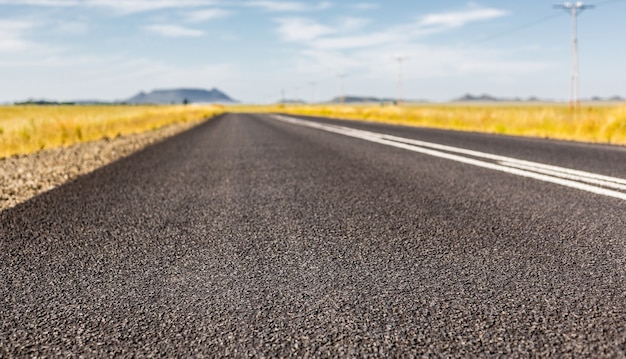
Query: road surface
{"x": 255, "y": 235}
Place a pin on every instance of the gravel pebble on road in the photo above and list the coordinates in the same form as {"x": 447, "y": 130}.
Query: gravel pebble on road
{"x": 23, "y": 177}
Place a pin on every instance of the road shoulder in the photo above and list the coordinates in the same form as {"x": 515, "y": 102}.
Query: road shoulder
{"x": 25, "y": 176}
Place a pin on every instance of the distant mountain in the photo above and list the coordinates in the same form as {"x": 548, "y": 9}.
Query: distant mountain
{"x": 489, "y": 98}
{"x": 43, "y": 102}
{"x": 177, "y": 96}
{"x": 357, "y": 99}
{"x": 292, "y": 101}
{"x": 365, "y": 99}
{"x": 608, "y": 99}
{"x": 482, "y": 98}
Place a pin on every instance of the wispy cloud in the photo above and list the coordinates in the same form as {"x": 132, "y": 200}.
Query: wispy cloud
{"x": 340, "y": 36}
{"x": 156, "y": 74}
{"x": 343, "y": 35}
{"x": 345, "y": 46}
{"x": 170, "y": 30}
{"x": 349, "y": 24}
{"x": 287, "y": 6}
{"x": 63, "y": 76}
{"x": 424, "y": 62}
{"x": 206, "y": 15}
{"x": 12, "y": 34}
{"x": 119, "y": 6}
{"x": 364, "y": 6}
{"x": 358, "y": 41}
{"x": 72, "y": 27}
{"x": 306, "y": 30}
{"x": 460, "y": 18}
{"x": 299, "y": 29}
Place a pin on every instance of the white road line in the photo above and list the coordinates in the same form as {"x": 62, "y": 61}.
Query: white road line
{"x": 547, "y": 173}
{"x": 567, "y": 175}
{"x": 507, "y": 160}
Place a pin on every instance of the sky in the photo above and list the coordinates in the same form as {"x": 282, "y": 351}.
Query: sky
{"x": 258, "y": 50}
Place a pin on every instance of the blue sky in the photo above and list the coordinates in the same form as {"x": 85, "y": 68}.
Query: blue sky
{"x": 254, "y": 49}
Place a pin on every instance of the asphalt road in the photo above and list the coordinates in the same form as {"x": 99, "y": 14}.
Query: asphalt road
{"x": 254, "y": 236}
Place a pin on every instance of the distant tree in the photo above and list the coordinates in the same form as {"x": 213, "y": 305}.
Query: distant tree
{"x": 185, "y": 102}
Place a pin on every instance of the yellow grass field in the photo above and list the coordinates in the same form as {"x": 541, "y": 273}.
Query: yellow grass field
{"x": 26, "y": 129}
{"x": 603, "y": 123}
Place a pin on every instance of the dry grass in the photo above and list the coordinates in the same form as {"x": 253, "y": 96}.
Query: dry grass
{"x": 26, "y": 129}
{"x": 592, "y": 123}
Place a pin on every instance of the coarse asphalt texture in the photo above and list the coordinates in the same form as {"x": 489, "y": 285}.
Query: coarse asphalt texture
{"x": 247, "y": 236}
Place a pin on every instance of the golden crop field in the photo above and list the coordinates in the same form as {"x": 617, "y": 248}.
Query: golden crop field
{"x": 26, "y": 129}
{"x": 603, "y": 123}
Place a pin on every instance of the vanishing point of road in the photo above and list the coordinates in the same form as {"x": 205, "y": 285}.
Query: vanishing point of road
{"x": 275, "y": 236}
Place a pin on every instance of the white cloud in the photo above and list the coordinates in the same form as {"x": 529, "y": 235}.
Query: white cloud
{"x": 298, "y": 29}
{"x": 423, "y": 62}
{"x": 173, "y": 30}
{"x": 72, "y": 27}
{"x": 12, "y": 35}
{"x": 364, "y": 6}
{"x": 134, "y": 6}
{"x": 460, "y": 18}
{"x": 489, "y": 66}
{"x": 356, "y": 41}
{"x": 119, "y": 6}
{"x": 341, "y": 36}
{"x": 349, "y": 24}
{"x": 55, "y": 3}
{"x": 206, "y": 15}
{"x": 312, "y": 32}
{"x": 346, "y": 47}
{"x": 287, "y": 6}
{"x": 62, "y": 77}
{"x": 329, "y": 62}
{"x": 149, "y": 74}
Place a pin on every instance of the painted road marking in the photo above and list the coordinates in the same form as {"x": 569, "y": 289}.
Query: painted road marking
{"x": 581, "y": 180}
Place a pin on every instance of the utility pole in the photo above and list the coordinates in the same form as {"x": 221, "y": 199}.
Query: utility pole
{"x": 342, "y": 77}
{"x": 400, "y": 95}
{"x": 574, "y": 9}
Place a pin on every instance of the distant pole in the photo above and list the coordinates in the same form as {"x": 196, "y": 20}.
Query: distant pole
{"x": 574, "y": 9}
{"x": 400, "y": 89}
{"x": 342, "y": 90}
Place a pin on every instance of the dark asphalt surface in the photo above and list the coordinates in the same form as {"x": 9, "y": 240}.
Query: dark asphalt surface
{"x": 247, "y": 236}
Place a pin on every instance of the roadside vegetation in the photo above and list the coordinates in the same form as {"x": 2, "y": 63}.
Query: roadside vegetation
{"x": 602, "y": 123}
{"x": 27, "y": 129}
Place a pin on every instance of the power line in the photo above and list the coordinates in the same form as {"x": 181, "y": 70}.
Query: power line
{"x": 521, "y": 27}
{"x": 602, "y": 3}
{"x": 540, "y": 21}
{"x": 478, "y": 41}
